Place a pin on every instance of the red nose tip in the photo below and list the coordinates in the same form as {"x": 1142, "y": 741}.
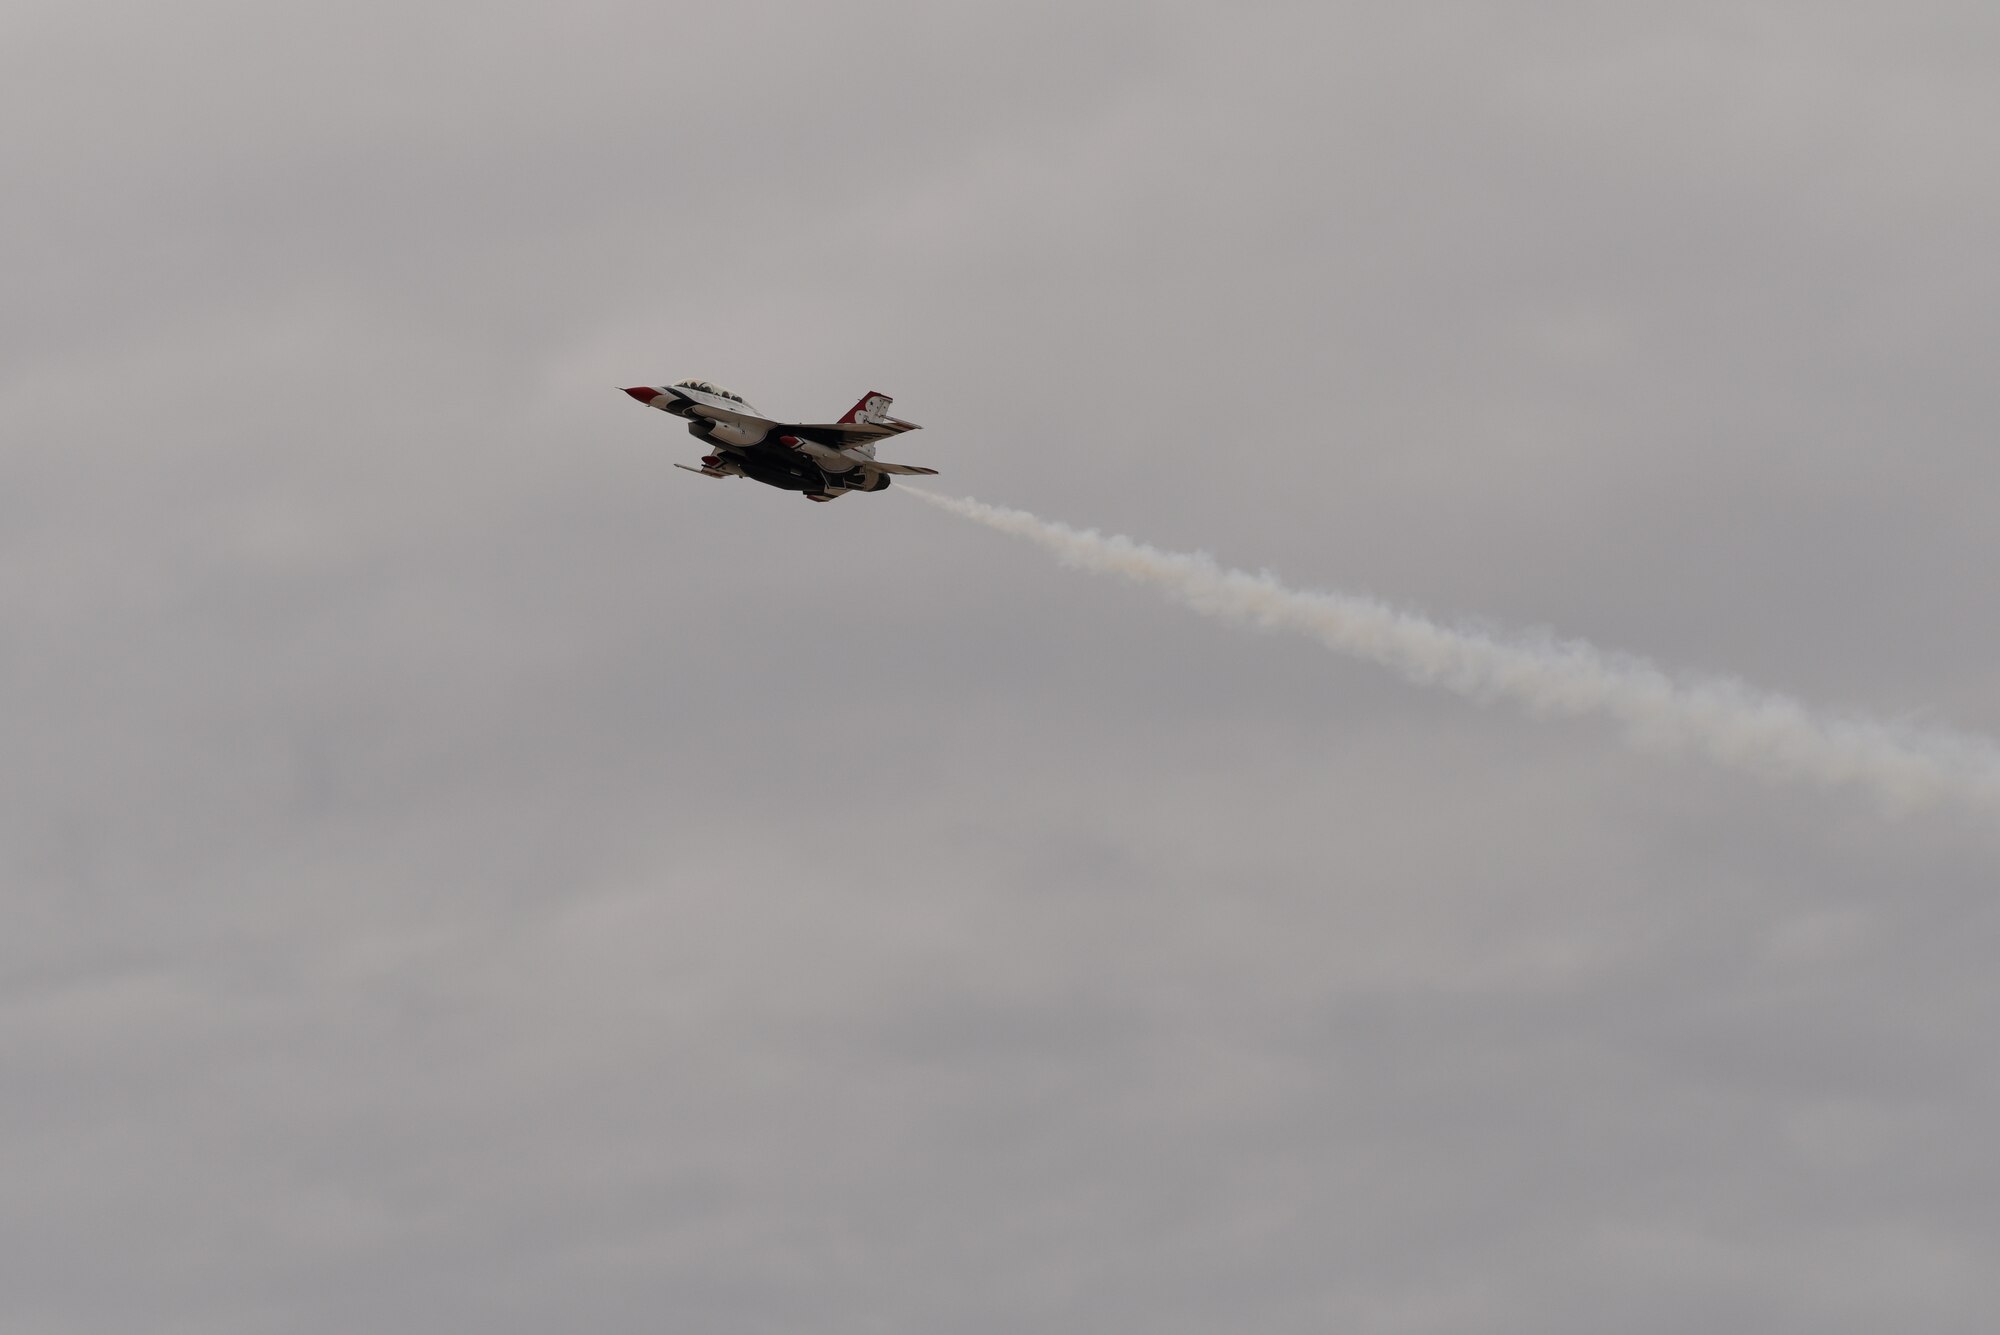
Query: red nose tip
{"x": 644, "y": 393}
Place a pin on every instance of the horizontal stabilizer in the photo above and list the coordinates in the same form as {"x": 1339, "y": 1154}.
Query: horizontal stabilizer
{"x": 705, "y": 472}
{"x": 910, "y": 470}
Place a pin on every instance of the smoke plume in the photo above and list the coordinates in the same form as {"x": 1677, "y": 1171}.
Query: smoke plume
{"x": 1730, "y": 722}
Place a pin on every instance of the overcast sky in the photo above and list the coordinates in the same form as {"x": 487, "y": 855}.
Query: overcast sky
{"x": 460, "y": 873}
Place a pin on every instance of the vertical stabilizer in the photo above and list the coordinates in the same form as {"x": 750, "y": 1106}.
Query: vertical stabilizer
{"x": 873, "y": 409}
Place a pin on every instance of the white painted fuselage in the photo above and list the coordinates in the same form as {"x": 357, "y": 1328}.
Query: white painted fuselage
{"x": 821, "y": 460}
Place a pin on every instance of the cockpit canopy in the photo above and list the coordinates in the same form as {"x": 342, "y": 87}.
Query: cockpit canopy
{"x": 706, "y": 388}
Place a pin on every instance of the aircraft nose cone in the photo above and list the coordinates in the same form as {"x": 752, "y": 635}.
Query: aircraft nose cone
{"x": 644, "y": 393}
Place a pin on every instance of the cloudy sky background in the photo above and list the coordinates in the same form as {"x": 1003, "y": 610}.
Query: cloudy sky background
{"x": 460, "y": 873}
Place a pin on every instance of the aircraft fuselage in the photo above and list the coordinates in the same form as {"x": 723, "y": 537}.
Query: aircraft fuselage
{"x": 823, "y": 461}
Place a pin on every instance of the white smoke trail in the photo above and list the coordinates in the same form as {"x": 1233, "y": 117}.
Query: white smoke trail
{"x": 1732, "y": 723}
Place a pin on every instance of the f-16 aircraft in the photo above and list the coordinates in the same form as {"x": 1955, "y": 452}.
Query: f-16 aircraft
{"x": 825, "y": 461}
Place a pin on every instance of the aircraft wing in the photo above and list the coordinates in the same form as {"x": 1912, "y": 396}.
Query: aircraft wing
{"x": 749, "y": 421}
{"x": 840, "y": 435}
{"x": 833, "y": 435}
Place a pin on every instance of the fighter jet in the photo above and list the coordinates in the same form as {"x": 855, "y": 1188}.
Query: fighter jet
{"x": 825, "y": 461}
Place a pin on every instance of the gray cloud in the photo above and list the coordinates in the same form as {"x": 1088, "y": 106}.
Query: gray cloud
{"x": 462, "y": 872}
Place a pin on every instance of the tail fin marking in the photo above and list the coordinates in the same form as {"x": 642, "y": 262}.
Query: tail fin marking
{"x": 873, "y": 408}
